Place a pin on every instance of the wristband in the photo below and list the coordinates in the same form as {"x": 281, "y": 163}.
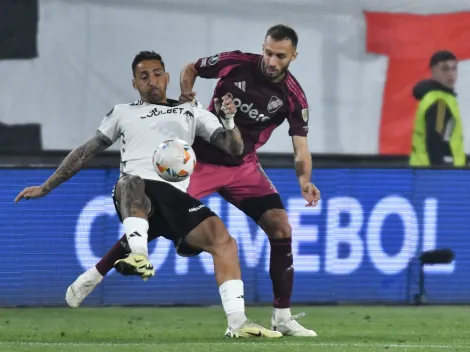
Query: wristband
{"x": 228, "y": 123}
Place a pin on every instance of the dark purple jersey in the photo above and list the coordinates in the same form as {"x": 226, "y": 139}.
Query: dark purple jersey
{"x": 262, "y": 105}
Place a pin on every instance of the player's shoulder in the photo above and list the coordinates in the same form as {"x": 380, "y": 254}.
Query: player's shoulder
{"x": 293, "y": 84}
{"x": 125, "y": 106}
{"x": 196, "y": 110}
{"x": 115, "y": 111}
{"x": 244, "y": 55}
{"x": 234, "y": 55}
{"x": 121, "y": 110}
{"x": 295, "y": 90}
{"x": 129, "y": 105}
{"x": 193, "y": 105}
{"x": 196, "y": 103}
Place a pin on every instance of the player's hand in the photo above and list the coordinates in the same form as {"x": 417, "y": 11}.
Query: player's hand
{"x": 31, "y": 193}
{"x": 187, "y": 97}
{"x": 226, "y": 108}
{"x": 311, "y": 194}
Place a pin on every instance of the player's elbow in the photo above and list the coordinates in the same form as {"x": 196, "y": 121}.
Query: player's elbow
{"x": 238, "y": 151}
{"x": 235, "y": 151}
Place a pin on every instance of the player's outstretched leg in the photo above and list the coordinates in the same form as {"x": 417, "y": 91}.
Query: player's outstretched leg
{"x": 119, "y": 250}
{"x": 86, "y": 282}
{"x": 276, "y": 225}
{"x": 212, "y": 236}
{"x": 134, "y": 207}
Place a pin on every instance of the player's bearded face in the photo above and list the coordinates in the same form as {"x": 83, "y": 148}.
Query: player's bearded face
{"x": 151, "y": 80}
{"x": 277, "y": 55}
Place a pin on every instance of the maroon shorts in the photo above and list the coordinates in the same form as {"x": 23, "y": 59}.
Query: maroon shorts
{"x": 245, "y": 186}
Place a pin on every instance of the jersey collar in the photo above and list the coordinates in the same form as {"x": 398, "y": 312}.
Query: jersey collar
{"x": 170, "y": 103}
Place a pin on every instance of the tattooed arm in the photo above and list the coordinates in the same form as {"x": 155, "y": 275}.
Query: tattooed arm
{"x": 72, "y": 164}
{"x": 230, "y": 141}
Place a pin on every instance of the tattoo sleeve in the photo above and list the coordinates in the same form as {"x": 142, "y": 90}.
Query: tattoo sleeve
{"x": 76, "y": 159}
{"x": 230, "y": 141}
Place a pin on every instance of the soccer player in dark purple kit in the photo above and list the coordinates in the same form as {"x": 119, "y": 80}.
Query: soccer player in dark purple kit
{"x": 266, "y": 94}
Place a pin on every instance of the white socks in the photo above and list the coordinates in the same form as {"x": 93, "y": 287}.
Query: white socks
{"x": 233, "y": 301}
{"x": 281, "y": 314}
{"x": 93, "y": 275}
{"x": 136, "y": 233}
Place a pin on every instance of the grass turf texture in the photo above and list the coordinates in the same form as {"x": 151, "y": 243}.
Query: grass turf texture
{"x": 340, "y": 329}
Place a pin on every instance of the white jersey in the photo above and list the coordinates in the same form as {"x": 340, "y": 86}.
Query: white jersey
{"x": 141, "y": 127}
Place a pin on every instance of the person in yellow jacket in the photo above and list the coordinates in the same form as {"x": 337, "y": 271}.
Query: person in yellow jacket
{"x": 438, "y": 136}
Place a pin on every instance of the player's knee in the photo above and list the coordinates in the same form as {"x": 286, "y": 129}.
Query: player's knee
{"x": 224, "y": 244}
{"x": 132, "y": 183}
{"x": 132, "y": 189}
{"x": 219, "y": 240}
{"x": 276, "y": 224}
{"x": 282, "y": 229}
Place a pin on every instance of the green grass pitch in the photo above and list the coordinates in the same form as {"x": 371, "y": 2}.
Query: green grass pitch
{"x": 340, "y": 329}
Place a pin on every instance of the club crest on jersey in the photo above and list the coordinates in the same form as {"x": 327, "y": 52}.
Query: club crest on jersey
{"x": 189, "y": 114}
{"x": 274, "y": 104}
{"x": 213, "y": 59}
{"x": 305, "y": 114}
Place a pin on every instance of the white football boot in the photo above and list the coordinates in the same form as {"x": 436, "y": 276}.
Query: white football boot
{"x": 251, "y": 330}
{"x": 284, "y": 322}
{"x": 82, "y": 287}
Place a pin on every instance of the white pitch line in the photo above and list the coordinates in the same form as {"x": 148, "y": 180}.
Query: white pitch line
{"x": 260, "y": 343}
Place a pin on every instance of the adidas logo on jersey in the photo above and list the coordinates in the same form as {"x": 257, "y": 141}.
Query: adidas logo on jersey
{"x": 248, "y": 109}
{"x": 241, "y": 85}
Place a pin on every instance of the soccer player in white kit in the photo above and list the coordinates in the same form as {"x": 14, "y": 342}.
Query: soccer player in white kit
{"x": 145, "y": 202}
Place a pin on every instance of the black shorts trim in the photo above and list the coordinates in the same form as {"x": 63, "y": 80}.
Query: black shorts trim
{"x": 255, "y": 207}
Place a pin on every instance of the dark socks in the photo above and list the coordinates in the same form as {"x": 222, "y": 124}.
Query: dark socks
{"x": 281, "y": 271}
{"x": 117, "y": 251}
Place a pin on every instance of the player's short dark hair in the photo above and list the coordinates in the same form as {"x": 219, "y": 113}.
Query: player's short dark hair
{"x": 282, "y": 32}
{"x": 146, "y": 55}
{"x": 440, "y": 56}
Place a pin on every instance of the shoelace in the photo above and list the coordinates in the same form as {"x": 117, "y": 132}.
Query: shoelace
{"x": 292, "y": 323}
{"x": 297, "y": 316}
